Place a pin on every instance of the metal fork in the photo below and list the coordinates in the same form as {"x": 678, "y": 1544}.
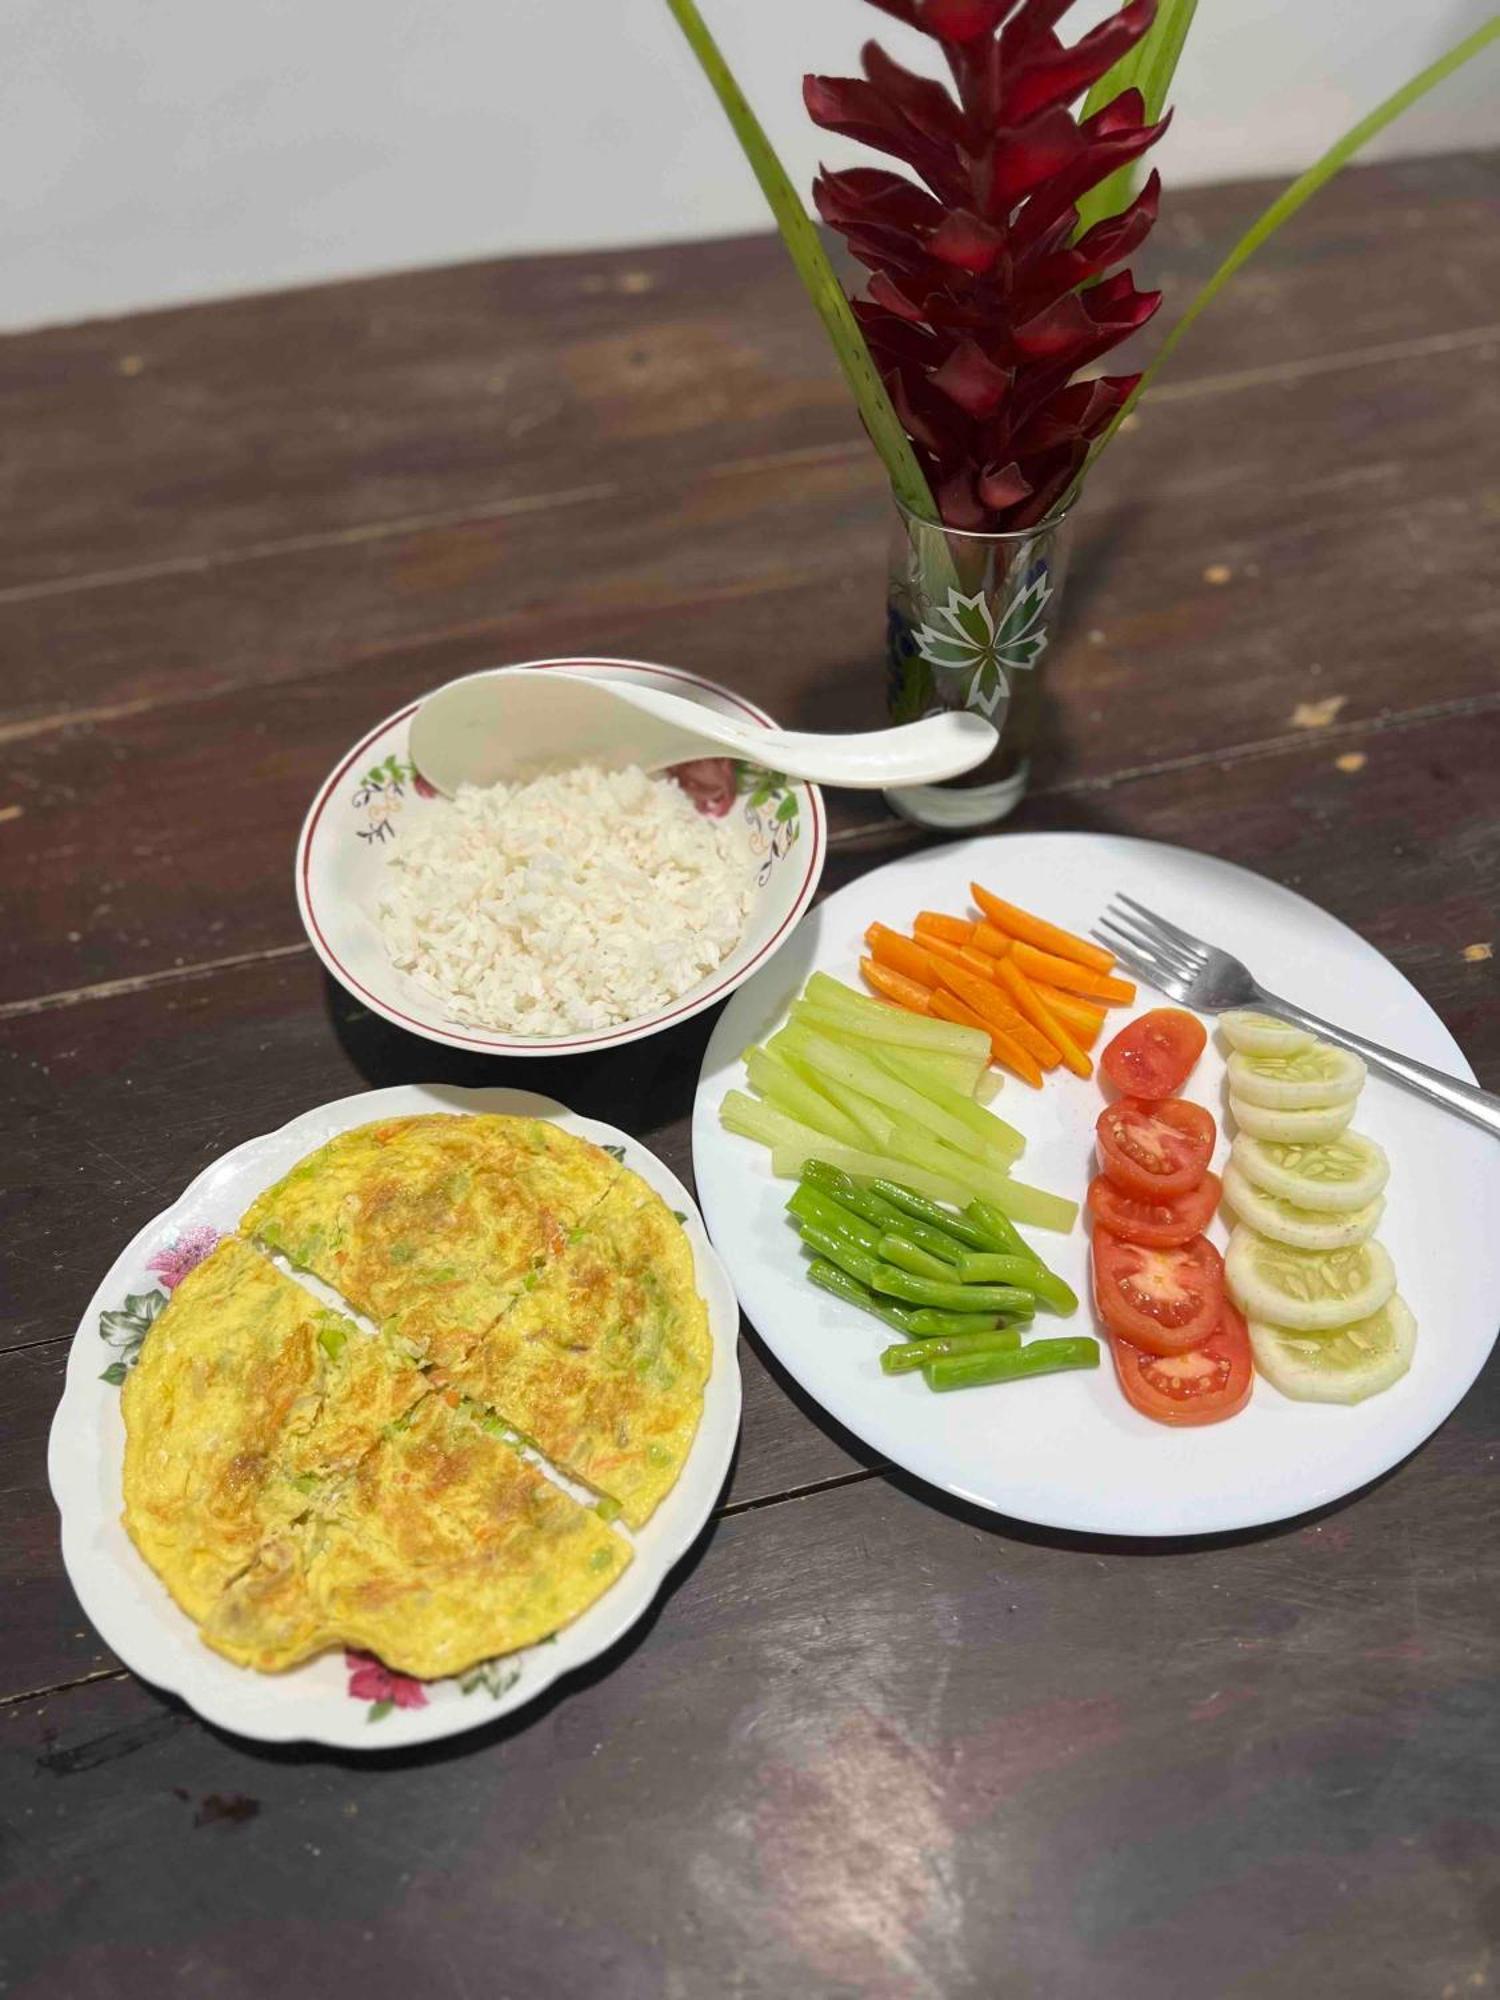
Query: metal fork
{"x": 1201, "y": 976}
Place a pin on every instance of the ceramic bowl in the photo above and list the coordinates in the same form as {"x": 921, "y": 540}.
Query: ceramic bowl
{"x": 374, "y": 796}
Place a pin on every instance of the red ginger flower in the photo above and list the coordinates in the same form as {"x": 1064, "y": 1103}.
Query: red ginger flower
{"x": 981, "y": 306}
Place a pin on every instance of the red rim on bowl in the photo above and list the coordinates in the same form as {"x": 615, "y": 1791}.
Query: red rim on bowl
{"x": 626, "y": 1031}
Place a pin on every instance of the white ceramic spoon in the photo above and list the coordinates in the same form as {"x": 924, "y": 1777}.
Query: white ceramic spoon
{"x": 507, "y": 723}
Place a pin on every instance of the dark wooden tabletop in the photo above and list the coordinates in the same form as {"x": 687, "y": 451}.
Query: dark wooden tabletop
{"x": 868, "y": 1741}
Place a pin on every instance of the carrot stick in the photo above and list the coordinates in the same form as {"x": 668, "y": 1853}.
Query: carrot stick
{"x": 957, "y": 954}
{"x": 907, "y": 993}
{"x": 1081, "y": 1021}
{"x": 1036, "y": 1010}
{"x": 996, "y": 1010}
{"x": 1073, "y": 978}
{"x": 948, "y": 1008}
{"x": 952, "y": 930}
{"x": 993, "y": 943}
{"x": 1034, "y": 930}
{"x": 888, "y": 947}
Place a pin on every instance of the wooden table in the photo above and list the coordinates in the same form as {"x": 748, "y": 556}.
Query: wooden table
{"x": 869, "y": 1741}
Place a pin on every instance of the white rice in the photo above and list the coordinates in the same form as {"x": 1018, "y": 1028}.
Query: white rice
{"x": 575, "y": 901}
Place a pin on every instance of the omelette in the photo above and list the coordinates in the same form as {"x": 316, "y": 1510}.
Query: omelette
{"x": 250, "y": 1400}
{"x": 602, "y": 1363}
{"x": 433, "y": 1225}
{"x": 299, "y": 1480}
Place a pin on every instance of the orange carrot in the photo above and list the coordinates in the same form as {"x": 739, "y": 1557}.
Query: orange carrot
{"x": 952, "y": 930}
{"x": 907, "y": 993}
{"x": 995, "y": 1009}
{"x": 1035, "y": 930}
{"x": 1081, "y": 1021}
{"x": 1073, "y": 978}
{"x": 993, "y": 943}
{"x": 901, "y": 954}
{"x": 1034, "y": 1007}
{"x": 957, "y": 954}
{"x": 948, "y": 1008}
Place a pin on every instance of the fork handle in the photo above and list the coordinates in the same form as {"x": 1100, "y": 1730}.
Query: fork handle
{"x": 1480, "y": 1107}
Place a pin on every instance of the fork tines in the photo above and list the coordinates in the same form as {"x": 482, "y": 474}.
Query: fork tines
{"x": 1151, "y": 946}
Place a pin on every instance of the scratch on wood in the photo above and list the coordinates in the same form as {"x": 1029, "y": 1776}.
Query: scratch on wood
{"x": 142, "y": 982}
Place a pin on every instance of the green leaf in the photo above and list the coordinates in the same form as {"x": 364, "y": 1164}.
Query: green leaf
{"x": 1023, "y": 611}
{"x": 1149, "y": 68}
{"x": 379, "y": 1710}
{"x": 115, "y": 1373}
{"x": 123, "y": 1329}
{"x": 615, "y": 1152}
{"x": 814, "y": 269}
{"x": 1302, "y": 191}
{"x": 788, "y": 807}
{"x": 678, "y": 1215}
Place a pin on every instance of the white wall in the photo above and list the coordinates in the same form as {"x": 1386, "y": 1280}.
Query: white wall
{"x": 153, "y": 151}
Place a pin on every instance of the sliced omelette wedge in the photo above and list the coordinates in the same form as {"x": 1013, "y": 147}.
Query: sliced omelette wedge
{"x": 432, "y": 1225}
{"x": 448, "y": 1548}
{"x": 602, "y": 1362}
{"x": 251, "y": 1402}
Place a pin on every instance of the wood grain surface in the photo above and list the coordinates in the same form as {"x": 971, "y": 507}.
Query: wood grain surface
{"x": 868, "y": 1742}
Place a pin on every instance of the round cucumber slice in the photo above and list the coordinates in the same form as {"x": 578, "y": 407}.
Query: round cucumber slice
{"x": 1303, "y": 1228}
{"x": 1295, "y": 1082}
{"x": 1343, "y": 1366}
{"x": 1260, "y": 1035}
{"x": 1318, "y": 1121}
{"x": 1306, "y": 1290}
{"x": 1342, "y": 1173}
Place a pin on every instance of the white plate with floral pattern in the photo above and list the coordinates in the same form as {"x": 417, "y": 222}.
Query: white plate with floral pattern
{"x": 362, "y": 806}
{"x": 347, "y": 1700}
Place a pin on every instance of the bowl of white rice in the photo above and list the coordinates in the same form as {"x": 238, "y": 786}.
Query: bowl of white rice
{"x": 575, "y": 909}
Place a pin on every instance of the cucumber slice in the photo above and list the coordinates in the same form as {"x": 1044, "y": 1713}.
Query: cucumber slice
{"x": 1260, "y": 1035}
{"x": 1303, "y": 1228}
{"x": 1306, "y": 1290}
{"x": 1342, "y": 1173}
{"x": 1343, "y": 1366}
{"x": 1319, "y": 1121}
{"x": 1306, "y": 1077}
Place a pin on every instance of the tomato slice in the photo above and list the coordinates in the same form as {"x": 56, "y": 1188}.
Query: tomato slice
{"x": 1155, "y": 1225}
{"x": 1154, "y": 1055}
{"x": 1155, "y": 1150}
{"x": 1163, "y": 1300}
{"x": 1203, "y": 1386}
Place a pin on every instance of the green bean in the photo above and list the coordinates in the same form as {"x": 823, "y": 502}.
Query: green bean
{"x": 914, "y": 1354}
{"x": 981, "y": 1267}
{"x": 810, "y": 1204}
{"x": 988, "y": 1267}
{"x": 829, "y": 1278}
{"x": 1001, "y": 1232}
{"x": 908, "y": 1256}
{"x": 838, "y": 1186}
{"x": 899, "y": 1284}
{"x": 928, "y": 1324}
{"x": 1038, "y": 1357}
{"x": 918, "y": 1206}
{"x": 843, "y": 1251}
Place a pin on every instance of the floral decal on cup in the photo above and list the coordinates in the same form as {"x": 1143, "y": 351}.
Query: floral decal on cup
{"x": 126, "y": 1328}
{"x": 966, "y": 637}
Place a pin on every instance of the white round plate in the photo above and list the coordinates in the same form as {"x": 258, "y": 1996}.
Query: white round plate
{"x": 340, "y": 1699}
{"x": 1066, "y": 1451}
{"x": 358, "y": 815}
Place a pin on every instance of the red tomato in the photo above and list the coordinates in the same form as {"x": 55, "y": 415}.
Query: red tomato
{"x": 1203, "y": 1386}
{"x": 1155, "y": 1150}
{"x": 1163, "y": 1300}
{"x": 1156, "y": 1225}
{"x": 1154, "y": 1056}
